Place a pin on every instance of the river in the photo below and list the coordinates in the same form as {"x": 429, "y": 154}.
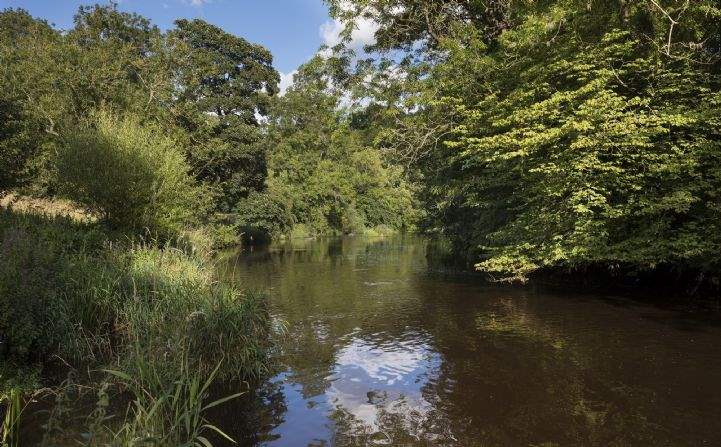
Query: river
{"x": 381, "y": 349}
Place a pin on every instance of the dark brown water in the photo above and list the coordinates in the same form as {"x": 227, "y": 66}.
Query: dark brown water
{"x": 383, "y": 351}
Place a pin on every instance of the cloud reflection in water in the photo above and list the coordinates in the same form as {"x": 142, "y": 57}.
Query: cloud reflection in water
{"x": 368, "y": 382}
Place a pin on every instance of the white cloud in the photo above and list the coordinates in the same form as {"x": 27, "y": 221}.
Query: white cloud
{"x": 363, "y": 33}
{"x": 286, "y": 80}
{"x": 197, "y": 3}
{"x": 396, "y": 374}
{"x": 330, "y": 33}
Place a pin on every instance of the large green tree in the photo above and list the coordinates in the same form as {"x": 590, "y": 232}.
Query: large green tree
{"x": 207, "y": 88}
{"x": 224, "y": 85}
{"x": 323, "y": 172}
{"x": 29, "y": 106}
{"x": 51, "y": 82}
{"x": 562, "y": 134}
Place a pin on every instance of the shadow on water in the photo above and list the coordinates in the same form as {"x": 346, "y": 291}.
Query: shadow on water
{"x": 382, "y": 350}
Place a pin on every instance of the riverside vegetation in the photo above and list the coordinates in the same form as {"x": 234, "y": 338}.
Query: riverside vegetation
{"x": 556, "y": 136}
{"x": 577, "y": 137}
{"x": 126, "y": 156}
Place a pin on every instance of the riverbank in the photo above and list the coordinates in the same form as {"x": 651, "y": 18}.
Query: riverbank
{"x": 126, "y": 335}
{"x": 644, "y": 283}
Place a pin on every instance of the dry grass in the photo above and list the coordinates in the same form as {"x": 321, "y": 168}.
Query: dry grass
{"x": 45, "y": 207}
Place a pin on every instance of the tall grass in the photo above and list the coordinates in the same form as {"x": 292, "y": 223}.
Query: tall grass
{"x": 168, "y": 412}
{"x": 11, "y": 405}
{"x": 14, "y": 402}
{"x": 156, "y": 317}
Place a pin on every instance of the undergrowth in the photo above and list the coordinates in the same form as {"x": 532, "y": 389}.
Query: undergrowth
{"x": 155, "y": 319}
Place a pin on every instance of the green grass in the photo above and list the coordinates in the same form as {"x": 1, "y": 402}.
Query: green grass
{"x": 168, "y": 413}
{"x": 157, "y": 317}
{"x": 380, "y": 231}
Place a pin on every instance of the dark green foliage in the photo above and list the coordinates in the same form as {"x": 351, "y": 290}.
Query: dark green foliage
{"x": 28, "y": 300}
{"x": 325, "y": 172}
{"x": 225, "y": 74}
{"x": 28, "y": 112}
{"x": 67, "y": 292}
{"x": 204, "y": 85}
{"x": 30, "y": 283}
{"x": 262, "y": 215}
{"x": 224, "y": 80}
{"x": 404, "y": 23}
{"x": 96, "y": 25}
{"x": 15, "y": 144}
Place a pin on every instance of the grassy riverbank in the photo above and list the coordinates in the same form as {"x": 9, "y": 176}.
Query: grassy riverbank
{"x": 127, "y": 328}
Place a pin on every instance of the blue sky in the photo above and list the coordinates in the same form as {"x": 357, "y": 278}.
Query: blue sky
{"x": 291, "y": 29}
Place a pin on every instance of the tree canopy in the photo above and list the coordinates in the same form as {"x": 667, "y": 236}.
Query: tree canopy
{"x": 560, "y": 134}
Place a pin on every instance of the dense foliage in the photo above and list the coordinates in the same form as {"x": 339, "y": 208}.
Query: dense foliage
{"x": 324, "y": 175}
{"x": 561, "y": 134}
{"x": 131, "y": 175}
{"x": 225, "y": 81}
{"x": 264, "y": 165}
{"x": 157, "y": 318}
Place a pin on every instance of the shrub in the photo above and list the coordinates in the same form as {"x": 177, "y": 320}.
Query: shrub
{"x": 34, "y": 253}
{"x": 132, "y": 175}
{"x": 264, "y": 215}
{"x": 28, "y": 304}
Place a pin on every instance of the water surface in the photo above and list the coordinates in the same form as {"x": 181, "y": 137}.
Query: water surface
{"x": 381, "y": 349}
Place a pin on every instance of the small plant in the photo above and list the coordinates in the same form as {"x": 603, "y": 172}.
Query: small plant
{"x": 12, "y": 402}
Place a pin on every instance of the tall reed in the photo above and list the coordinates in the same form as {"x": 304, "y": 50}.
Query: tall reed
{"x": 157, "y": 317}
{"x": 168, "y": 412}
{"x": 11, "y": 404}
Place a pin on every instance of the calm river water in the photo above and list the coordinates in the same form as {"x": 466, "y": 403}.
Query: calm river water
{"x": 383, "y": 350}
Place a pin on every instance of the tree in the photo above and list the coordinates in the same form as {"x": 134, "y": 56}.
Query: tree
{"x": 404, "y": 23}
{"x": 322, "y": 169}
{"x": 224, "y": 83}
{"x": 51, "y": 82}
{"x": 132, "y": 175}
{"x": 576, "y": 135}
{"x": 30, "y": 105}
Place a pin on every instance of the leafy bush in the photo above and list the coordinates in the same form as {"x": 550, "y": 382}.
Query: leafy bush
{"x": 33, "y": 252}
{"x": 132, "y": 175}
{"x": 27, "y": 299}
{"x": 264, "y": 215}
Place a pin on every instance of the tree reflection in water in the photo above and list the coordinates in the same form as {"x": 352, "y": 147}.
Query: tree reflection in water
{"x": 382, "y": 351}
